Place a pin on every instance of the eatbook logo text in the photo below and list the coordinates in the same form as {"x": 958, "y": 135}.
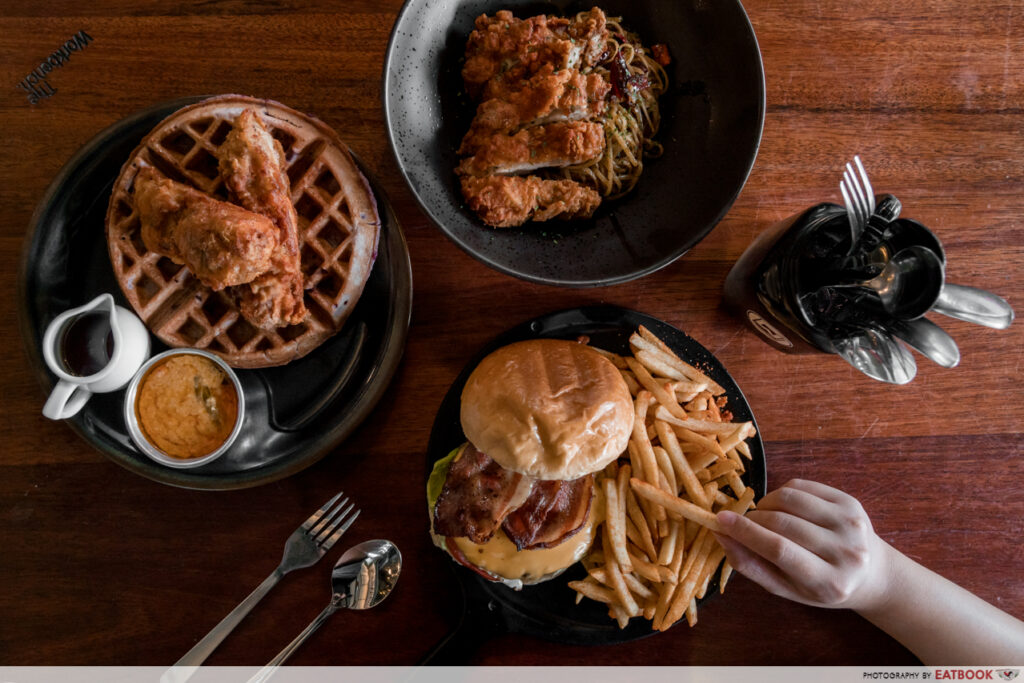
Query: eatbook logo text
{"x": 35, "y": 84}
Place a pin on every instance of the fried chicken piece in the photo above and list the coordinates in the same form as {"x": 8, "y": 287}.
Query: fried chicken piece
{"x": 553, "y": 145}
{"x": 252, "y": 165}
{"x": 503, "y": 51}
{"x": 549, "y": 96}
{"x": 506, "y": 201}
{"x": 591, "y": 31}
{"x": 222, "y": 244}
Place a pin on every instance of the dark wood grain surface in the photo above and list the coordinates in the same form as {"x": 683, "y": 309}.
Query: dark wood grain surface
{"x": 99, "y": 566}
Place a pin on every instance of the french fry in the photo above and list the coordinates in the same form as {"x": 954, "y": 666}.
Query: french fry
{"x": 691, "y": 613}
{"x": 615, "y": 524}
{"x": 744, "y": 503}
{"x": 735, "y": 483}
{"x": 651, "y": 571}
{"x": 617, "y": 360}
{"x": 668, "y": 543}
{"x": 674, "y": 505}
{"x": 622, "y": 594}
{"x": 664, "y": 603}
{"x": 619, "y": 614}
{"x": 611, "y": 469}
{"x": 637, "y": 588}
{"x": 667, "y": 469}
{"x": 734, "y": 458}
{"x": 646, "y": 341}
{"x": 593, "y": 591}
{"x": 724, "y": 579}
{"x": 666, "y": 401}
{"x": 643, "y": 446}
{"x": 637, "y": 517}
{"x": 698, "y": 404}
{"x": 712, "y": 555}
{"x": 723, "y": 500}
{"x": 744, "y": 431}
{"x": 622, "y": 485}
{"x": 685, "y": 390}
{"x": 690, "y": 531}
{"x": 720, "y": 468}
{"x": 699, "y": 426}
{"x": 713, "y": 411}
{"x": 686, "y": 476}
{"x": 631, "y": 382}
{"x": 711, "y": 491}
{"x": 701, "y": 460}
{"x": 657, "y": 366}
{"x": 705, "y": 443}
{"x": 634, "y": 536}
{"x": 696, "y": 551}
{"x": 649, "y": 515}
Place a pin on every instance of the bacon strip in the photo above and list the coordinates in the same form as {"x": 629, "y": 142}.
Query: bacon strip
{"x": 554, "y": 511}
{"x": 477, "y": 496}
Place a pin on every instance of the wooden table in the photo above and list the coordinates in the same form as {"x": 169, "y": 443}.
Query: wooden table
{"x": 100, "y": 566}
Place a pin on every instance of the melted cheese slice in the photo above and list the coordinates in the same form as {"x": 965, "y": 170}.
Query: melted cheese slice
{"x": 500, "y": 556}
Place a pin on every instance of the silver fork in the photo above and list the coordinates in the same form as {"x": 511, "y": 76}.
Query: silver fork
{"x": 304, "y": 547}
{"x": 859, "y": 198}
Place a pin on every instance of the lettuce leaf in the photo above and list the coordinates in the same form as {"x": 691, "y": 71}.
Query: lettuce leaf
{"x": 435, "y": 482}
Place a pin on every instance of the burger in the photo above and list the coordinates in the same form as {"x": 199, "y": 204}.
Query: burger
{"x": 515, "y": 503}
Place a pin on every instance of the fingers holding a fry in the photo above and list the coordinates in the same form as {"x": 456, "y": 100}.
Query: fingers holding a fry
{"x": 792, "y": 557}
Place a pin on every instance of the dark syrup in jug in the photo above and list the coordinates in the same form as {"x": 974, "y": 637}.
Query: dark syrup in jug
{"x": 88, "y": 344}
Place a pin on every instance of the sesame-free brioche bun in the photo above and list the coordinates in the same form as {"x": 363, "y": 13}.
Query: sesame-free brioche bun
{"x": 548, "y": 408}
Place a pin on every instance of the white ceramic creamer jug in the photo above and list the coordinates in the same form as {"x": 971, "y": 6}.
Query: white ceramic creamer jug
{"x": 92, "y": 349}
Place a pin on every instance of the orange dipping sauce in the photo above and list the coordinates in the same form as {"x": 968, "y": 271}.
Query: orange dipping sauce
{"x": 186, "y": 406}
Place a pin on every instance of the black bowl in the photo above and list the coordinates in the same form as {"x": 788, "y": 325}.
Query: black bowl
{"x": 712, "y": 116}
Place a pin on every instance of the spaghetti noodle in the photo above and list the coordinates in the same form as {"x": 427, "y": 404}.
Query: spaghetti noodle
{"x": 631, "y": 119}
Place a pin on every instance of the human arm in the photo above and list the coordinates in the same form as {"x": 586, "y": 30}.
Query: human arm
{"x": 815, "y": 544}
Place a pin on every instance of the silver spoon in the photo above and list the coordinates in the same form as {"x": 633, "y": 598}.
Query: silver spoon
{"x": 909, "y": 284}
{"x": 929, "y": 339}
{"x": 975, "y": 306}
{"x": 363, "y": 576}
{"x": 877, "y": 355}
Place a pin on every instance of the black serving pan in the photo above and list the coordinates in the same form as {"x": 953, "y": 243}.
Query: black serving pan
{"x": 548, "y": 610}
{"x": 295, "y": 414}
{"x": 712, "y": 117}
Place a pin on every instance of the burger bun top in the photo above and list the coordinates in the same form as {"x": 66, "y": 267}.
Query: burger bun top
{"x": 548, "y": 408}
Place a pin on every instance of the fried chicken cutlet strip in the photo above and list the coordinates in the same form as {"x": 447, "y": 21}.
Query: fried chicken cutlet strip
{"x": 222, "y": 244}
{"x": 552, "y": 145}
{"x": 503, "y": 51}
{"x": 507, "y": 201}
{"x": 252, "y": 165}
{"x": 549, "y": 96}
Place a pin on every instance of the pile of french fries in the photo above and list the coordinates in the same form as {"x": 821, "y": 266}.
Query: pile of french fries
{"x": 656, "y": 556}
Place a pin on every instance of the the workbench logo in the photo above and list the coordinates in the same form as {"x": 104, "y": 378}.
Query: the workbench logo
{"x": 36, "y": 85}
{"x": 765, "y": 328}
{"x": 1008, "y": 674}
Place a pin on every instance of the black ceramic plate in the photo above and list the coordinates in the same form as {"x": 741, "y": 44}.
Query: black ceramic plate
{"x": 548, "y": 610}
{"x": 295, "y": 413}
{"x": 712, "y": 117}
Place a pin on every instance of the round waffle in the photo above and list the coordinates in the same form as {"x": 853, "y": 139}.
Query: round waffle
{"x": 337, "y": 220}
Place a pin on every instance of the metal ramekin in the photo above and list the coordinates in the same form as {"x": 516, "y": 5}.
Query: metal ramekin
{"x": 131, "y": 418}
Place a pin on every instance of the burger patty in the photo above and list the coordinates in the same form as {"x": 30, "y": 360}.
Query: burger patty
{"x": 479, "y": 496}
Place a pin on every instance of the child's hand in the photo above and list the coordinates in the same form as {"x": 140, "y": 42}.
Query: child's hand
{"x": 810, "y": 543}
